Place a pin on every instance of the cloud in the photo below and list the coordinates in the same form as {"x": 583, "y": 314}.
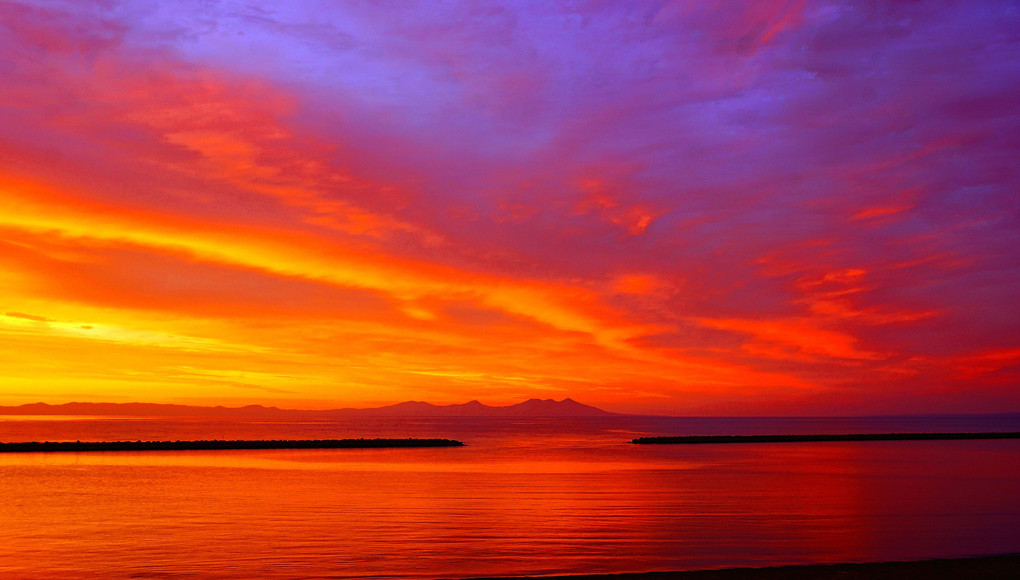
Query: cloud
{"x": 803, "y": 335}
{"x": 24, "y": 316}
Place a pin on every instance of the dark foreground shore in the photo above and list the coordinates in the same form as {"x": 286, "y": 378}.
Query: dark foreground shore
{"x": 49, "y": 446}
{"x": 694, "y": 439}
{"x": 1005, "y": 567}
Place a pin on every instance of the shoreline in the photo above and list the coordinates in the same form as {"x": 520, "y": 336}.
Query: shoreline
{"x": 702, "y": 439}
{"x": 217, "y": 444}
{"x": 997, "y": 567}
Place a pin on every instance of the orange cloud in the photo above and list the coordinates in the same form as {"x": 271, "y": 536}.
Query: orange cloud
{"x": 291, "y": 253}
{"x": 804, "y": 335}
{"x": 832, "y": 296}
{"x": 639, "y": 284}
{"x": 24, "y": 316}
{"x": 879, "y": 212}
{"x": 235, "y": 130}
{"x": 973, "y": 366}
{"x": 634, "y": 218}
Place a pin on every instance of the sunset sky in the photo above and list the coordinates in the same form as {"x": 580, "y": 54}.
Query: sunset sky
{"x": 658, "y": 207}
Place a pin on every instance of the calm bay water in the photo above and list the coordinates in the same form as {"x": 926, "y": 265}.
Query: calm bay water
{"x": 525, "y": 497}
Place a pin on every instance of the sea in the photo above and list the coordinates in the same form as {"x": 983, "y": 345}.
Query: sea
{"x": 525, "y": 496}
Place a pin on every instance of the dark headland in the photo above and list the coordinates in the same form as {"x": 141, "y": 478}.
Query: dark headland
{"x": 1005, "y": 567}
{"x": 696, "y": 439}
{"x": 50, "y": 446}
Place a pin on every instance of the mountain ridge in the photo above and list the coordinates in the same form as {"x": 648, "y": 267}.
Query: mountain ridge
{"x": 529, "y": 408}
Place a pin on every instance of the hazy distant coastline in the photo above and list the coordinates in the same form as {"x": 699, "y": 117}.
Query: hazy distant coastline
{"x": 411, "y": 409}
{"x": 530, "y": 408}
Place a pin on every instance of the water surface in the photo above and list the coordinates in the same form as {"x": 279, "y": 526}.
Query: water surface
{"x": 525, "y": 497}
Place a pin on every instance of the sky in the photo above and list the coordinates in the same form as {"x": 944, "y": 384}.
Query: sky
{"x": 705, "y": 208}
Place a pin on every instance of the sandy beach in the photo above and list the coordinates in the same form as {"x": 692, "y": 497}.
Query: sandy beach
{"x": 1004, "y": 567}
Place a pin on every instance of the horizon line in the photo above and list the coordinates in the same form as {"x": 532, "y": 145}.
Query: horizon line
{"x": 446, "y": 405}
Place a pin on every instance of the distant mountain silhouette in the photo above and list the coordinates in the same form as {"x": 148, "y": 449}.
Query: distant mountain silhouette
{"x": 140, "y": 410}
{"x": 530, "y": 408}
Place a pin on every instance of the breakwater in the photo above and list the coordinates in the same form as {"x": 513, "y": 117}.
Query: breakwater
{"x": 53, "y": 446}
{"x": 697, "y": 439}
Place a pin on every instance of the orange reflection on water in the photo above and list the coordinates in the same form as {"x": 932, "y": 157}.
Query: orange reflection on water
{"x": 443, "y": 460}
{"x": 521, "y": 499}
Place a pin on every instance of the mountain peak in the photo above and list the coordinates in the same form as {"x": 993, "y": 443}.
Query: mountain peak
{"x": 552, "y": 408}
